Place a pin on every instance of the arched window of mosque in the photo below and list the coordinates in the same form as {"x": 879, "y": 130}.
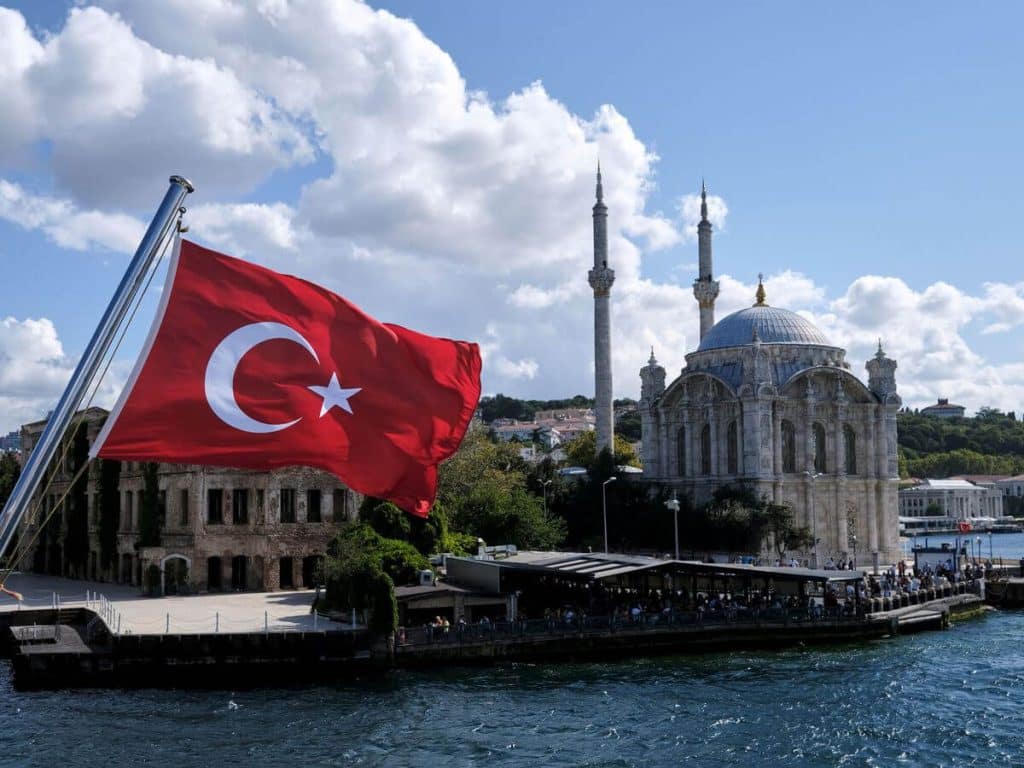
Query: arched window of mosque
{"x": 820, "y": 464}
{"x": 681, "y": 451}
{"x": 705, "y": 450}
{"x": 732, "y": 448}
{"x": 788, "y": 447}
{"x": 850, "y": 444}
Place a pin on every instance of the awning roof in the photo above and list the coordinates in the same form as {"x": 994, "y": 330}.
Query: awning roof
{"x": 594, "y": 566}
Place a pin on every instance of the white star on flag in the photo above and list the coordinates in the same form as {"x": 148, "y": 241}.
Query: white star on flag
{"x": 334, "y": 395}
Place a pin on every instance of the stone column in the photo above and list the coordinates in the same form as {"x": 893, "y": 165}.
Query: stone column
{"x": 601, "y": 279}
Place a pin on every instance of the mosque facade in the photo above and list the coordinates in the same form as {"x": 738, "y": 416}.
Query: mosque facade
{"x": 767, "y": 402}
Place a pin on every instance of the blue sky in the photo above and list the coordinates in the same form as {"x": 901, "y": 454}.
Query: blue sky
{"x": 868, "y": 157}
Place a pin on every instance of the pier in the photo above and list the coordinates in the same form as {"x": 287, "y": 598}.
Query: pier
{"x": 69, "y": 633}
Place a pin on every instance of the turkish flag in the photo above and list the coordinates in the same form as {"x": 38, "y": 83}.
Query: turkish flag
{"x": 245, "y": 367}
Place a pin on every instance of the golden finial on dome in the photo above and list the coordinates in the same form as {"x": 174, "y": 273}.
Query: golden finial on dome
{"x": 760, "y": 295}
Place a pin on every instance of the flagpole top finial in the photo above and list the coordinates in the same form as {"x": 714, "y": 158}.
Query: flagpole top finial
{"x": 188, "y": 185}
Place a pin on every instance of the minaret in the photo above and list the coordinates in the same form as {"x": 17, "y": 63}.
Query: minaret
{"x": 601, "y": 279}
{"x": 705, "y": 290}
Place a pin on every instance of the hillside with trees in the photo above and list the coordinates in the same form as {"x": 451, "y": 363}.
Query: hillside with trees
{"x": 991, "y": 443}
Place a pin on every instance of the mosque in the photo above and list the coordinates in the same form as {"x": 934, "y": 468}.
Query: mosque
{"x": 768, "y": 402}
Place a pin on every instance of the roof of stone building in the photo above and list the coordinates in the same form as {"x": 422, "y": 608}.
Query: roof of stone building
{"x": 773, "y": 325}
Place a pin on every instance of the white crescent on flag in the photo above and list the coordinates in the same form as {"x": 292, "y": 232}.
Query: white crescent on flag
{"x": 220, "y": 373}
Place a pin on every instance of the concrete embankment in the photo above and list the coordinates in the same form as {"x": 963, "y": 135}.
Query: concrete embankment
{"x": 81, "y": 652}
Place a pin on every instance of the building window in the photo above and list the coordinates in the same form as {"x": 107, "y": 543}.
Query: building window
{"x": 705, "y": 450}
{"x": 732, "y": 448}
{"x": 129, "y": 499}
{"x": 850, "y": 448}
{"x": 313, "y": 505}
{"x": 161, "y": 509}
{"x": 788, "y": 447}
{"x": 820, "y": 465}
{"x": 213, "y": 574}
{"x": 681, "y": 450}
{"x": 287, "y": 505}
{"x": 183, "y": 508}
{"x": 215, "y": 506}
{"x": 240, "y": 506}
{"x": 259, "y": 503}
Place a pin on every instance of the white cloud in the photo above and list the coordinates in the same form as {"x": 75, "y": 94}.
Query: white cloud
{"x": 117, "y": 112}
{"x": 689, "y": 212}
{"x": 449, "y": 210}
{"x": 65, "y": 224}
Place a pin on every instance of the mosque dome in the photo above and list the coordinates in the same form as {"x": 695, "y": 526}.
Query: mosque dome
{"x": 773, "y": 326}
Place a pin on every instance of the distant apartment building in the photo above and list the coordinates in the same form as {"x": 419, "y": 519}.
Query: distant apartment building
{"x": 522, "y": 431}
{"x": 215, "y": 529}
{"x": 10, "y": 442}
{"x": 944, "y": 409}
{"x": 1011, "y": 486}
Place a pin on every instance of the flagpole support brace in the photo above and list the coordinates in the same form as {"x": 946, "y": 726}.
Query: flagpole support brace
{"x": 162, "y": 225}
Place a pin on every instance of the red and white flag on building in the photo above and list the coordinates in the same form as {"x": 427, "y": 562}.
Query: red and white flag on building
{"x": 246, "y": 367}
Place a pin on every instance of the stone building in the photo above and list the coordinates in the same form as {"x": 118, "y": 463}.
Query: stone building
{"x": 945, "y": 503}
{"x": 216, "y": 528}
{"x": 944, "y": 409}
{"x": 766, "y": 401}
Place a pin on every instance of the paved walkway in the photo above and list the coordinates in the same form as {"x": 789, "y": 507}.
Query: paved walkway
{"x": 192, "y": 614}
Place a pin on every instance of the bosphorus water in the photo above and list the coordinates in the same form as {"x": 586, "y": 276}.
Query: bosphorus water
{"x": 936, "y": 699}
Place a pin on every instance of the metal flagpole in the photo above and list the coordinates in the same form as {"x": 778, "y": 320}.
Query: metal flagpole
{"x": 99, "y": 345}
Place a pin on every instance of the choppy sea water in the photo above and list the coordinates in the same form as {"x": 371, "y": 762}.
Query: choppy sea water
{"x": 950, "y": 698}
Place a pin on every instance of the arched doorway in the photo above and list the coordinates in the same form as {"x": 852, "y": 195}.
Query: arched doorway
{"x": 175, "y": 574}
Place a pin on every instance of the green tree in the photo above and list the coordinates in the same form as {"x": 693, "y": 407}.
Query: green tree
{"x": 486, "y": 492}
{"x": 581, "y": 451}
{"x": 10, "y": 471}
{"x": 109, "y": 493}
{"x": 76, "y": 547}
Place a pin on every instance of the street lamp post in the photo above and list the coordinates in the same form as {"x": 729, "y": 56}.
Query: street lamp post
{"x": 854, "y": 540}
{"x": 990, "y": 545}
{"x": 544, "y": 488}
{"x": 978, "y": 557}
{"x": 814, "y": 520}
{"x": 673, "y": 506}
{"x": 604, "y": 509}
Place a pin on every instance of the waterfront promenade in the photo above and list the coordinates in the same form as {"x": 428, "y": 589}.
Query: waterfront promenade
{"x": 122, "y": 606}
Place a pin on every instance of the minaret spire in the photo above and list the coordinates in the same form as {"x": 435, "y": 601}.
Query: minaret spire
{"x": 705, "y": 287}
{"x": 601, "y": 279}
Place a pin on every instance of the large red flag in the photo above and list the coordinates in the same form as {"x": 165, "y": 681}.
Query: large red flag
{"x": 245, "y": 367}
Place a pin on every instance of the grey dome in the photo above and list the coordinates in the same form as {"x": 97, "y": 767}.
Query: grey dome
{"x": 774, "y": 326}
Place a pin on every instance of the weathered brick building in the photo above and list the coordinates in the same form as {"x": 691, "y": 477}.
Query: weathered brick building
{"x": 201, "y": 528}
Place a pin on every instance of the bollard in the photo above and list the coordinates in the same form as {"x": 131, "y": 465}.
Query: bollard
{"x": 315, "y": 614}
{"x": 167, "y": 627}
{"x": 119, "y": 625}
{"x": 216, "y": 622}
{"x": 266, "y": 624}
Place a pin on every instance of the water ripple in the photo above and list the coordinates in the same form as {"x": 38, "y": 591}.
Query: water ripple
{"x": 940, "y": 699}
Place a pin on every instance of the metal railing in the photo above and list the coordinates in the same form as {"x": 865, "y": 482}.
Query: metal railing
{"x": 664, "y": 621}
